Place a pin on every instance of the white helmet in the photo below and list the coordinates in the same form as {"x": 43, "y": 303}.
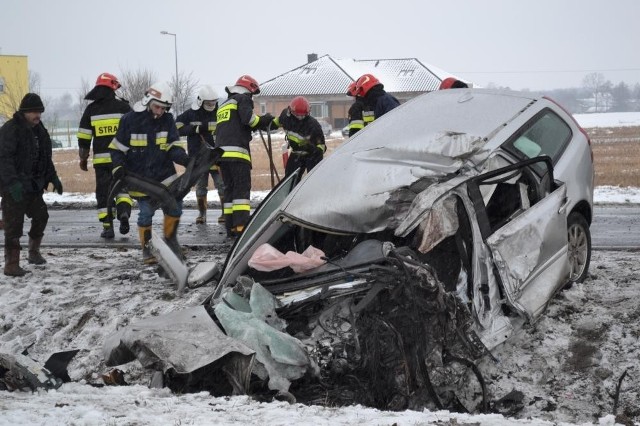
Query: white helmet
{"x": 206, "y": 93}
{"x": 160, "y": 92}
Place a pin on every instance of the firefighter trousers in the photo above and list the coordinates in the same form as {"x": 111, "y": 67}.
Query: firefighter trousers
{"x": 103, "y": 188}
{"x": 237, "y": 191}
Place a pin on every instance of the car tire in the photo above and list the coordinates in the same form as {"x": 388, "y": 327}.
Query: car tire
{"x": 579, "y": 246}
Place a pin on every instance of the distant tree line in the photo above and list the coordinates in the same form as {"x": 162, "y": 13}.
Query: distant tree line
{"x": 69, "y": 108}
{"x": 597, "y": 94}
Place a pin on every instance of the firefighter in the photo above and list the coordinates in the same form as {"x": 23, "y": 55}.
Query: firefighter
{"x": 99, "y": 123}
{"x": 147, "y": 143}
{"x": 356, "y": 111}
{"x": 235, "y": 122}
{"x": 26, "y": 169}
{"x": 377, "y": 101}
{"x": 198, "y": 124}
{"x": 303, "y": 135}
{"x": 452, "y": 83}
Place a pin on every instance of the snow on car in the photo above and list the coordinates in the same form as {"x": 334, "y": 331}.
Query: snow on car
{"x": 382, "y": 277}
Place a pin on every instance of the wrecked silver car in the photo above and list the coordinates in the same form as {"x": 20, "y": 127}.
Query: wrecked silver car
{"x": 380, "y": 278}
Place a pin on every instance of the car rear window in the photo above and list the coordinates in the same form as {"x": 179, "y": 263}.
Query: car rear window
{"x": 545, "y": 134}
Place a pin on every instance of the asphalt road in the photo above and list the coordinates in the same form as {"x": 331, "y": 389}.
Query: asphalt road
{"x": 80, "y": 228}
{"x": 613, "y": 227}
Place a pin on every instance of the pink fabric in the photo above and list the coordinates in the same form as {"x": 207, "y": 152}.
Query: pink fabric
{"x": 266, "y": 258}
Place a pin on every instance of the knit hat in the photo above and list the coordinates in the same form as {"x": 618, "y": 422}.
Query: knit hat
{"x": 31, "y": 103}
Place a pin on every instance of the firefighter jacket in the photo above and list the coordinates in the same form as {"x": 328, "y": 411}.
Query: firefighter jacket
{"x": 357, "y": 115}
{"x": 100, "y": 123}
{"x": 197, "y": 125}
{"x": 148, "y": 146}
{"x": 25, "y": 155}
{"x": 235, "y": 122}
{"x": 303, "y": 136}
{"x": 379, "y": 101}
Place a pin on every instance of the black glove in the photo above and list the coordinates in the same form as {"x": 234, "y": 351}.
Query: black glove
{"x": 119, "y": 173}
{"x": 265, "y": 121}
{"x": 17, "y": 191}
{"x": 83, "y": 153}
{"x": 57, "y": 185}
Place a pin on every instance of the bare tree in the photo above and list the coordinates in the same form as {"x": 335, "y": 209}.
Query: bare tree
{"x": 136, "y": 83}
{"x": 85, "y": 87}
{"x": 597, "y": 85}
{"x": 184, "y": 90}
{"x": 34, "y": 82}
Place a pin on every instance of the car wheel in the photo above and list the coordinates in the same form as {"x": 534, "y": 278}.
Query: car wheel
{"x": 579, "y": 237}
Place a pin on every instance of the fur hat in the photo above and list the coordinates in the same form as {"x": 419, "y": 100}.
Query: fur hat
{"x": 31, "y": 103}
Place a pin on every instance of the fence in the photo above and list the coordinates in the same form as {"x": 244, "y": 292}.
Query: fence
{"x": 64, "y": 132}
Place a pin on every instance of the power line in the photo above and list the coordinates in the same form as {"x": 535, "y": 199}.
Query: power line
{"x": 546, "y": 72}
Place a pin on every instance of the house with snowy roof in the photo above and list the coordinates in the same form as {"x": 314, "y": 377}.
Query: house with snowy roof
{"x": 324, "y": 80}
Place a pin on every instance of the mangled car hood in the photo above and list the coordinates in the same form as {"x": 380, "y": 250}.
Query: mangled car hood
{"x": 428, "y": 138}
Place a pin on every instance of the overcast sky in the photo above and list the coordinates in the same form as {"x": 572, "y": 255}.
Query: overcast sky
{"x": 541, "y": 44}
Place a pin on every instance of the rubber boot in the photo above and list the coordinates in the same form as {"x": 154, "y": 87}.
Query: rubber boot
{"x": 124, "y": 224}
{"x": 107, "y": 231}
{"x": 221, "y": 217}
{"x": 12, "y": 263}
{"x": 202, "y": 210}
{"x": 34, "y": 252}
{"x": 145, "y": 237}
{"x": 171, "y": 234}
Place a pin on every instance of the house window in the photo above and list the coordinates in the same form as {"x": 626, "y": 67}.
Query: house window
{"x": 406, "y": 73}
{"x": 319, "y": 109}
{"x": 308, "y": 70}
{"x": 263, "y": 108}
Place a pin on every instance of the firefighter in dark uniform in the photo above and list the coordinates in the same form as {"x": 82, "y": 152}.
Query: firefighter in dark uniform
{"x": 356, "y": 111}
{"x": 198, "y": 124}
{"x": 452, "y": 83}
{"x": 303, "y": 134}
{"x": 99, "y": 123}
{"x": 377, "y": 101}
{"x": 147, "y": 143}
{"x": 235, "y": 122}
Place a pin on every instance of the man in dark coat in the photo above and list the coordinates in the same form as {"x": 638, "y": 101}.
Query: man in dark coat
{"x": 26, "y": 169}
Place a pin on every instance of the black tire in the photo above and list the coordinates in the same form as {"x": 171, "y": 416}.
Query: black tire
{"x": 579, "y": 236}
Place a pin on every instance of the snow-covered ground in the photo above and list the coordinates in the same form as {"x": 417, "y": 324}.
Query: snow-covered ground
{"x": 567, "y": 365}
{"x": 608, "y": 119}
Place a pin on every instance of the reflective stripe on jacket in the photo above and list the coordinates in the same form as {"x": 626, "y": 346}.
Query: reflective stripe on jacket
{"x": 148, "y": 146}
{"x": 99, "y": 123}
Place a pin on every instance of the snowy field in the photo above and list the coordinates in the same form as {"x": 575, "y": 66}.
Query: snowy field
{"x": 567, "y": 365}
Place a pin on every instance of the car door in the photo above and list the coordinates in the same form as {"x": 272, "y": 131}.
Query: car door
{"x": 258, "y": 221}
{"x": 528, "y": 238}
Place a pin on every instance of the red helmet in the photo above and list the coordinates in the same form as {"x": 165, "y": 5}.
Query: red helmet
{"x": 452, "y": 83}
{"x": 351, "y": 90}
{"x": 365, "y": 83}
{"x": 109, "y": 80}
{"x": 249, "y": 83}
{"x": 299, "y": 106}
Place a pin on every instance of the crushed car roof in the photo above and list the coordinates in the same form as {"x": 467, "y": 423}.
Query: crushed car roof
{"x": 432, "y": 136}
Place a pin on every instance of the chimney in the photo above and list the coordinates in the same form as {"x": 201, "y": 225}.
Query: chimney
{"x": 311, "y": 57}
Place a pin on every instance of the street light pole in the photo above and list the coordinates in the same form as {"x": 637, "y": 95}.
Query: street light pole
{"x": 175, "y": 46}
